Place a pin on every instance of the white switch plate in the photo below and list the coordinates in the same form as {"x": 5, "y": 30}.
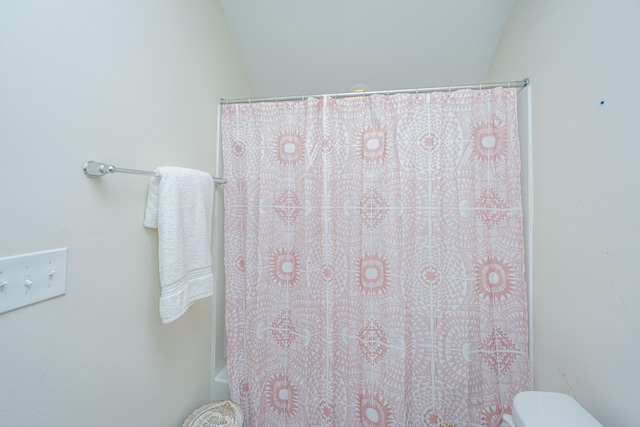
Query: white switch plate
{"x": 31, "y": 278}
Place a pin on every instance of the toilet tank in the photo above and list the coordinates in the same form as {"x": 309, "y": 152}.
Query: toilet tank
{"x": 546, "y": 409}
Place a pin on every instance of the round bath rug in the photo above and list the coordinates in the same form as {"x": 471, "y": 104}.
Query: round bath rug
{"x": 219, "y": 413}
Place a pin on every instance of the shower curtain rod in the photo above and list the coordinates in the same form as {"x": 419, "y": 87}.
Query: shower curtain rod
{"x": 515, "y": 84}
{"x": 96, "y": 169}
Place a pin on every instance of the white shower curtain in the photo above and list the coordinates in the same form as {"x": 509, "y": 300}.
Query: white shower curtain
{"x": 374, "y": 260}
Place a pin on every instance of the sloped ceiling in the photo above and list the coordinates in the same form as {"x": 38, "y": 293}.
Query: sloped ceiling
{"x": 294, "y": 47}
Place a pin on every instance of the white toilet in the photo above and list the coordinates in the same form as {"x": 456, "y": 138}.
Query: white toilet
{"x": 545, "y": 409}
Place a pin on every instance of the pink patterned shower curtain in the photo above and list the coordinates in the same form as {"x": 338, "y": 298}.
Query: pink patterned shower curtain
{"x": 374, "y": 260}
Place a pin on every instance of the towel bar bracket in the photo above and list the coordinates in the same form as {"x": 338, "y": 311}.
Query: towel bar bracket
{"x": 95, "y": 169}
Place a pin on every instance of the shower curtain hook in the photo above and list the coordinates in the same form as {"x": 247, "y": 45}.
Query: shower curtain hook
{"x": 508, "y": 85}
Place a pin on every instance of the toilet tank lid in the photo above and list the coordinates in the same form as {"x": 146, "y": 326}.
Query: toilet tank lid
{"x": 545, "y": 409}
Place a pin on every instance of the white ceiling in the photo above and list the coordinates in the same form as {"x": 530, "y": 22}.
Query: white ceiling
{"x": 294, "y": 47}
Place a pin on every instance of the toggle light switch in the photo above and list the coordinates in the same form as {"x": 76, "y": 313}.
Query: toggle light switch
{"x": 42, "y": 274}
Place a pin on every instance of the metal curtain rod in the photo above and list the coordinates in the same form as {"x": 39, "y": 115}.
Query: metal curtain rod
{"x": 96, "y": 169}
{"x": 480, "y": 86}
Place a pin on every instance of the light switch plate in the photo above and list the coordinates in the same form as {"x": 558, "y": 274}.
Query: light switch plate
{"x": 30, "y": 278}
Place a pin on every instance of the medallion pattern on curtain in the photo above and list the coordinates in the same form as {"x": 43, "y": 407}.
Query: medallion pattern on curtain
{"x": 374, "y": 260}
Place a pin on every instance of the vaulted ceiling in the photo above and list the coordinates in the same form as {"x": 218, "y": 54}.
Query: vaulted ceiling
{"x": 293, "y": 47}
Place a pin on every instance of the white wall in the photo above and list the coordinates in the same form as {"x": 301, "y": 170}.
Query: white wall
{"x": 134, "y": 83}
{"x": 578, "y": 53}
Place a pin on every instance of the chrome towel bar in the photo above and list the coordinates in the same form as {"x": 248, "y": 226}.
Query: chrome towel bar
{"x": 96, "y": 169}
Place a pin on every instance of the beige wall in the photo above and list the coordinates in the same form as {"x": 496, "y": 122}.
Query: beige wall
{"x": 578, "y": 53}
{"x": 134, "y": 83}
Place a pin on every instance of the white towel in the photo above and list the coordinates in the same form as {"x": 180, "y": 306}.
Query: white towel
{"x": 180, "y": 205}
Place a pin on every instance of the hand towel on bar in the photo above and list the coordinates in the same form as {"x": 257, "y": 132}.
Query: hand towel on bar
{"x": 180, "y": 205}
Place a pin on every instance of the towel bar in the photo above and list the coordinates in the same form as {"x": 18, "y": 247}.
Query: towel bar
{"x": 96, "y": 169}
